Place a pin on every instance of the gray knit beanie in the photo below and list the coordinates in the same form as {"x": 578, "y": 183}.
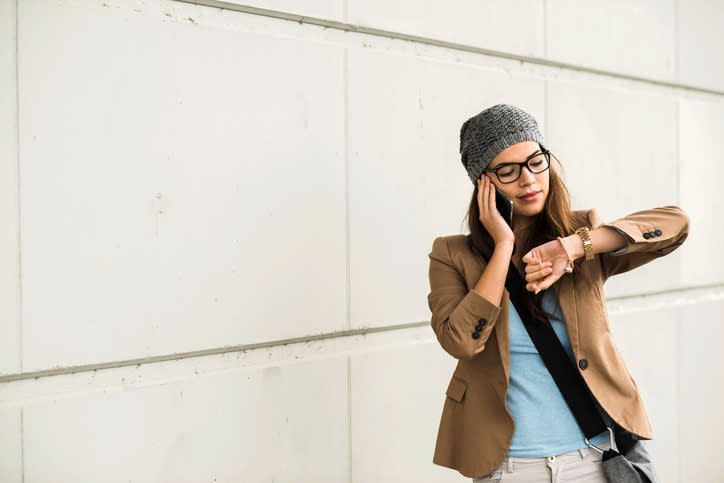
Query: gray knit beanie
{"x": 486, "y": 134}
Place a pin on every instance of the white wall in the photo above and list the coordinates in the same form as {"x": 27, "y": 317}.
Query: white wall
{"x": 218, "y": 222}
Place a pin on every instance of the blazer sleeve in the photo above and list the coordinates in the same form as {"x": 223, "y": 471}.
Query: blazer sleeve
{"x": 462, "y": 319}
{"x": 650, "y": 234}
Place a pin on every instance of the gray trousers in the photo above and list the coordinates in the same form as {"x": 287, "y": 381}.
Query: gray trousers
{"x": 582, "y": 465}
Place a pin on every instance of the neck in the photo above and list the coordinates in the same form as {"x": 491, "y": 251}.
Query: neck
{"x": 522, "y": 223}
{"x": 521, "y": 228}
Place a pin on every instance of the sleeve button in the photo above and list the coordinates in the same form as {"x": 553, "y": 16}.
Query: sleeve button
{"x": 647, "y": 236}
{"x": 478, "y": 327}
{"x": 657, "y": 232}
{"x": 476, "y": 335}
{"x": 482, "y": 321}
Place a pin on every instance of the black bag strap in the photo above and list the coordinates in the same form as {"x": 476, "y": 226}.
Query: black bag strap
{"x": 569, "y": 381}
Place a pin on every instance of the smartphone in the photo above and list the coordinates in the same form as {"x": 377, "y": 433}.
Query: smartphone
{"x": 505, "y": 207}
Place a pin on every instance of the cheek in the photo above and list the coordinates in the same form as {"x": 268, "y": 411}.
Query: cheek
{"x": 509, "y": 193}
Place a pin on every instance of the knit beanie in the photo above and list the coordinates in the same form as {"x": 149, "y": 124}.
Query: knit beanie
{"x": 486, "y": 134}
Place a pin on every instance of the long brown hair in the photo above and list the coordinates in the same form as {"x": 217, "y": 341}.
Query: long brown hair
{"x": 556, "y": 219}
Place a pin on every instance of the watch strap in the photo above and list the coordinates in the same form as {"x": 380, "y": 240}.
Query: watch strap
{"x": 583, "y": 232}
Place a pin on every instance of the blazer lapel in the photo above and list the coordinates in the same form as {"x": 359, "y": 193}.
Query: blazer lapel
{"x": 566, "y": 299}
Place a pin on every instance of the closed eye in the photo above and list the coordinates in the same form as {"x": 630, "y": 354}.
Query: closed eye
{"x": 507, "y": 170}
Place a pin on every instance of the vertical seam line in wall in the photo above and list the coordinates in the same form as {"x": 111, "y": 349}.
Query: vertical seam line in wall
{"x": 677, "y": 148}
{"x": 545, "y": 28}
{"x": 349, "y": 415}
{"x": 676, "y": 41}
{"x": 678, "y": 391}
{"x": 22, "y": 446}
{"x": 19, "y": 265}
{"x": 677, "y": 125}
{"x": 345, "y": 81}
{"x": 546, "y": 131}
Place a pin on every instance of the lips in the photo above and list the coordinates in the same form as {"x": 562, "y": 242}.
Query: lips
{"x": 530, "y": 196}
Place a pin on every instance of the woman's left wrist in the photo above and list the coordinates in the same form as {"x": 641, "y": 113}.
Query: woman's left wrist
{"x": 574, "y": 246}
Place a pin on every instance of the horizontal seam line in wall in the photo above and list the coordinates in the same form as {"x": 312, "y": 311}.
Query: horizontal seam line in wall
{"x": 204, "y": 352}
{"x": 311, "y": 338}
{"x": 442, "y": 43}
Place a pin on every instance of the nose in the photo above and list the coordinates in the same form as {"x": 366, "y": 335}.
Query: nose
{"x": 526, "y": 176}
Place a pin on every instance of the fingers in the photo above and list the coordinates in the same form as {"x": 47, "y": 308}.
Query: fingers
{"x": 481, "y": 190}
{"x": 534, "y": 267}
{"x": 530, "y": 257}
{"x": 484, "y": 196}
{"x": 543, "y": 284}
{"x": 535, "y": 271}
{"x": 484, "y": 192}
{"x": 532, "y": 276}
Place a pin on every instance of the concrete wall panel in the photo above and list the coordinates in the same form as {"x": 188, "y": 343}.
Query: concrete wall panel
{"x": 279, "y": 423}
{"x": 171, "y": 200}
{"x": 701, "y": 392}
{"x": 699, "y": 37}
{"x": 701, "y": 148}
{"x": 9, "y": 213}
{"x": 634, "y": 38}
{"x": 649, "y": 343}
{"x": 11, "y": 458}
{"x": 397, "y": 397}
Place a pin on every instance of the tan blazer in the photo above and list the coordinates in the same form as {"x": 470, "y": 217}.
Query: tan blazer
{"x": 476, "y": 428}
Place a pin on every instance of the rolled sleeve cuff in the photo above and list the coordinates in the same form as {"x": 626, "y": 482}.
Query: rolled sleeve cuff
{"x": 476, "y": 311}
{"x": 622, "y": 249}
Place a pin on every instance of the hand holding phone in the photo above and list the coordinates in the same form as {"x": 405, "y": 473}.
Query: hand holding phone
{"x": 505, "y": 207}
{"x": 496, "y": 216}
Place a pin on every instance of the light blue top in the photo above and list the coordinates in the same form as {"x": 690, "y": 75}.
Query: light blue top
{"x": 544, "y": 425}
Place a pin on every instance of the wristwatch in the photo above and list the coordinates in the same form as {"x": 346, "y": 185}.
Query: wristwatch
{"x": 587, "y": 245}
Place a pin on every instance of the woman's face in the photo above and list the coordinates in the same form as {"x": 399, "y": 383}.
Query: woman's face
{"x": 527, "y": 183}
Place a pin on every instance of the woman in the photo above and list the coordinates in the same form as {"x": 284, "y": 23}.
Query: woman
{"x": 504, "y": 416}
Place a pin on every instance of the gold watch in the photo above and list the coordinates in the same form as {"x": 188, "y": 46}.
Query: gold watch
{"x": 586, "y": 239}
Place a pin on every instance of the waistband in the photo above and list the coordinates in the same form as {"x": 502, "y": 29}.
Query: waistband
{"x": 571, "y": 456}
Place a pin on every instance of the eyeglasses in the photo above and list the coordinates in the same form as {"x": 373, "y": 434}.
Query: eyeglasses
{"x": 510, "y": 172}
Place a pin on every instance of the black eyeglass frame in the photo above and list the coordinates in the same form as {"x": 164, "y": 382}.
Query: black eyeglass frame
{"x": 543, "y": 151}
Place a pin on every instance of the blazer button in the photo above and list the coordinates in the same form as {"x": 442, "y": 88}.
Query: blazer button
{"x": 647, "y": 235}
{"x": 478, "y": 327}
{"x": 583, "y": 364}
{"x": 476, "y": 335}
{"x": 482, "y": 321}
{"x": 657, "y": 232}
